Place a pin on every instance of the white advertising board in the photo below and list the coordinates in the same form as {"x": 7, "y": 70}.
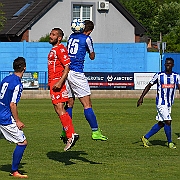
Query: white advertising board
{"x": 142, "y": 79}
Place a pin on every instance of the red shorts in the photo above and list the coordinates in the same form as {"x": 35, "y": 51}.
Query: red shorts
{"x": 60, "y": 95}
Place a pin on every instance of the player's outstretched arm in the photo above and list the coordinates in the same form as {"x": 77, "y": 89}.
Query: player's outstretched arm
{"x": 145, "y": 91}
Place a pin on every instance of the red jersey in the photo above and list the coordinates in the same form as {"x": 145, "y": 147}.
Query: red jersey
{"x": 57, "y": 59}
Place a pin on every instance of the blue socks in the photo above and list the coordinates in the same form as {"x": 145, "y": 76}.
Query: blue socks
{"x": 167, "y": 130}
{"x": 153, "y": 131}
{"x": 91, "y": 118}
{"x": 156, "y": 128}
{"x": 69, "y": 111}
{"x": 17, "y": 156}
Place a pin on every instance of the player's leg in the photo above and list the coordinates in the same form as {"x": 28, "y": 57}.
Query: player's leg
{"x": 80, "y": 87}
{"x": 13, "y": 134}
{"x": 164, "y": 113}
{"x": 70, "y": 103}
{"x": 91, "y": 118}
{"x": 155, "y": 128}
{"x": 58, "y": 100}
{"x": 167, "y": 130}
{"x": 69, "y": 106}
{"x": 67, "y": 124}
{"x": 17, "y": 156}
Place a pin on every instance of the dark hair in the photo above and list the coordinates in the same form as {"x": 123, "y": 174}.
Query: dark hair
{"x": 89, "y": 25}
{"x": 60, "y": 31}
{"x": 19, "y": 64}
{"x": 170, "y": 59}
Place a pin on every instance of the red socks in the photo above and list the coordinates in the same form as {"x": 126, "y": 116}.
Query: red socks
{"x": 67, "y": 124}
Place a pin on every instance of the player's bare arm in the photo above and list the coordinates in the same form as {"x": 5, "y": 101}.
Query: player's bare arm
{"x": 92, "y": 55}
{"x": 14, "y": 111}
{"x": 59, "y": 84}
{"x": 146, "y": 90}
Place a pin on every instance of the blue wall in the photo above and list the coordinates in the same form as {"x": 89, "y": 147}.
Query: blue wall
{"x": 110, "y": 57}
{"x": 176, "y": 57}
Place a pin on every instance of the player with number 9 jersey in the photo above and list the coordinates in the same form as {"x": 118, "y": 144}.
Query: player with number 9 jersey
{"x": 11, "y": 90}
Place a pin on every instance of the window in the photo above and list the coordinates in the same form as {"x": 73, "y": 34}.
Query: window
{"x": 84, "y": 11}
{"x": 22, "y": 9}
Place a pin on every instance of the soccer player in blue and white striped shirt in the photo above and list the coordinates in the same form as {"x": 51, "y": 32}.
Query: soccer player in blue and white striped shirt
{"x": 166, "y": 81}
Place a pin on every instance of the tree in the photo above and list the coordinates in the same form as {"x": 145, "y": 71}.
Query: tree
{"x": 158, "y": 16}
{"x": 166, "y": 19}
{"x": 172, "y": 39}
{"x": 46, "y": 39}
{"x": 2, "y": 18}
{"x": 143, "y": 11}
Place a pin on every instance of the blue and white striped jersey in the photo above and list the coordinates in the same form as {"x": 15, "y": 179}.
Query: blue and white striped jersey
{"x": 10, "y": 91}
{"x": 166, "y": 87}
{"x": 78, "y": 45}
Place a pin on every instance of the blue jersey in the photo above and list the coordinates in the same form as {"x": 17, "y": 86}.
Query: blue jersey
{"x": 78, "y": 45}
{"x": 166, "y": 87}
{"x": 10, "y": 91}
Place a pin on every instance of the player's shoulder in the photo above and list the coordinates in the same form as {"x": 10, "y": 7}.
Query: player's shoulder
{"x": 12, "y": 80}
{"x": 61, "y": 47}
{"x": 176, "y": 73}
{"x": 9, "y": 77}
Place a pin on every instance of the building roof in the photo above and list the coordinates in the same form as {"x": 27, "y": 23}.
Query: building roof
{"x": 32, "y": 10}
{"x": 16, "y": 25}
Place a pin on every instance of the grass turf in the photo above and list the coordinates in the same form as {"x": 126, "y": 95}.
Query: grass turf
{"x": 122, "y": 157}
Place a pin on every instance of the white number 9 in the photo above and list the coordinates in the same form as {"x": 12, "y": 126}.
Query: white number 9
{"x": 3, "y": 90}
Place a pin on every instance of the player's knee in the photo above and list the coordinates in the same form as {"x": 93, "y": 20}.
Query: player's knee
{"x": 23, "y": 143}
{"x": 167, "y": 122}
{"x": 161, "y": 124}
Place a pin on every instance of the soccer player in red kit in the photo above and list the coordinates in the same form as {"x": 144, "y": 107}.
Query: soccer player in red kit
{"x": 58, "y": 68}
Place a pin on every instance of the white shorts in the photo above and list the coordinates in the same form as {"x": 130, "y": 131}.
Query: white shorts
{"x": 78, "y": 85}
{"x": 12, "y": 133}
{"x": 164, "y": 113}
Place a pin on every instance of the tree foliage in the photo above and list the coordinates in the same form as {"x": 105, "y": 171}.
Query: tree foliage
{"x": 143, "y": 11}
{"x": 166, "y": 19}
{"x": 158, "y": 16}
{"x": 46, "y": 38}
{"x": 172, "y": 39}
{"x": 2, "y": 18}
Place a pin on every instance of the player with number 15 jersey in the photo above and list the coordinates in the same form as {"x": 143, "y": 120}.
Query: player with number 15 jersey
{"x": 78, "y": 45}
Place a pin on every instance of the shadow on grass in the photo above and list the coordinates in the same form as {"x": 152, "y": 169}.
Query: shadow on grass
{"x": 65, "y": 157}
{"x": 177, "y": 134}
{"x": 7, "y": 168}
{"x": 158, "y": 142}
{"x": 153, "y": 143}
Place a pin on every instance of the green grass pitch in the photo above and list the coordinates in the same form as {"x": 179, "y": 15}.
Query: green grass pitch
{"x": 122, "y": 157}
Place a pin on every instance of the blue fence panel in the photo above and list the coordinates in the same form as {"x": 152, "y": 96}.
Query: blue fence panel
{"x": 153, "y": 60}
{"x": 110, "y": 57}
{"x": 118, "y": 57}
